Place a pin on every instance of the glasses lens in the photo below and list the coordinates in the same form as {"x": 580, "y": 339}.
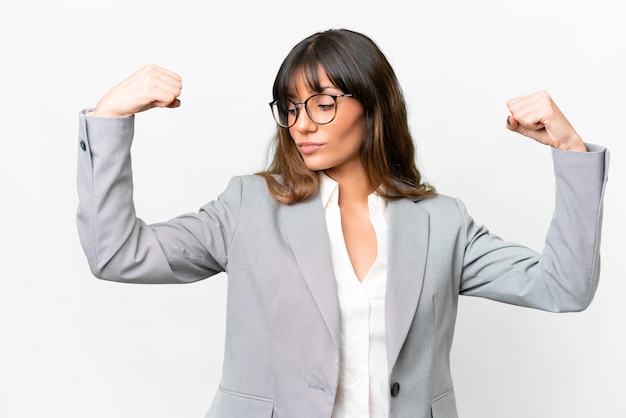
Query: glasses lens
{"x": 284, "y": 112}
{"x": 321, "y": 108}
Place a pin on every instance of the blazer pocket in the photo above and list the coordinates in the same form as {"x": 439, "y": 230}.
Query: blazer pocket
{"x": 444, "y": 406}
{"x": 230, "y": 404}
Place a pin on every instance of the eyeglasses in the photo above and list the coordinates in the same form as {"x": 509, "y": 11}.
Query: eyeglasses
{"x": 321, "y": 108}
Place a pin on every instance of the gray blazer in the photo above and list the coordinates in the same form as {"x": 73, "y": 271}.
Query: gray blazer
{"x": 282, "y": 333}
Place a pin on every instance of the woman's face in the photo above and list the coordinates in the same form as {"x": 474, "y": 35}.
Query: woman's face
{"x": 333, "y": 147}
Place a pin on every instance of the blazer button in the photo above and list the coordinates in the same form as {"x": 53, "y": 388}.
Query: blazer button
{"x": 83, "y": 146}
{"x": 395, "y": 389}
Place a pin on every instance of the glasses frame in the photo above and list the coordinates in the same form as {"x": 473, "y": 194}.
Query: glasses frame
{"x": 306, "y": 108}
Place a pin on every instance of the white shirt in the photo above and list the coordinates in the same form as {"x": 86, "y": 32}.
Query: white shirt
{"x": 363, "y": 390}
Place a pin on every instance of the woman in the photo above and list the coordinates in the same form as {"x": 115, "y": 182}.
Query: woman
{"x": 344, "y": 268}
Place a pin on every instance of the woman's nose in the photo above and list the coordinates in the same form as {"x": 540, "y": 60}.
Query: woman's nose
{"x": 304, "y": 122}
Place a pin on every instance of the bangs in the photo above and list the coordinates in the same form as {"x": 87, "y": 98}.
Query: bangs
{"x": 310, "y": 71}
{"x": 311, "y": 62}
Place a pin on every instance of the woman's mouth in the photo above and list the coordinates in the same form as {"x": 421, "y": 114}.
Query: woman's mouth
{"x": 308, "y": 147}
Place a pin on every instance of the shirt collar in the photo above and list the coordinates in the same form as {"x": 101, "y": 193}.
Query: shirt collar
{"x": 329, "y": 189}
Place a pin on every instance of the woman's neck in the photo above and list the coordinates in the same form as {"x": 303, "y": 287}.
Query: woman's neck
{"x": 354, "y": 187}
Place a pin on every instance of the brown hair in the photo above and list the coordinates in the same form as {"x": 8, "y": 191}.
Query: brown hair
{"x": 354, "y": 64}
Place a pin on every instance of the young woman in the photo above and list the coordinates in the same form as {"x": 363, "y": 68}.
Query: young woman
{"x": 343, "y": 267}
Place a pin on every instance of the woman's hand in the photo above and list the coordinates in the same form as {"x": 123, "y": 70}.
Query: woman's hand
{"x": 151, "y": 86}
{"x": 537, "y": 116}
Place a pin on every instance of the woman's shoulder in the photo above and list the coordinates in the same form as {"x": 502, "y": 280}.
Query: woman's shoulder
{"x": 249, "y": 187}
{"x": 435, "y": 200}
{"x": 441, "y": 205}
{"x": 252, "y": 183}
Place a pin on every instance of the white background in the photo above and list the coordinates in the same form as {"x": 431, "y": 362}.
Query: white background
{"x": 73, "y": 346}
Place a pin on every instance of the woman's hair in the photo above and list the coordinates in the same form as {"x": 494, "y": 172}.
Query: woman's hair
{"x": 354, "y": 64}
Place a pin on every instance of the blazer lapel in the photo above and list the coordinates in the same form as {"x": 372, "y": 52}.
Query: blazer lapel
{"x": 305, "y": 225}
{"x": 408, "y": 246}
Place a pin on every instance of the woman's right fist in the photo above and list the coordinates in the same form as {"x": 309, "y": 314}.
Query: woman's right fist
{"x": 151, "y": 86}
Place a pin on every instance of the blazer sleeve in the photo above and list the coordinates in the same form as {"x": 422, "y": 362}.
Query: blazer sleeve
{"x": 121, "y": 247}
{"x": 564, "y": 277}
